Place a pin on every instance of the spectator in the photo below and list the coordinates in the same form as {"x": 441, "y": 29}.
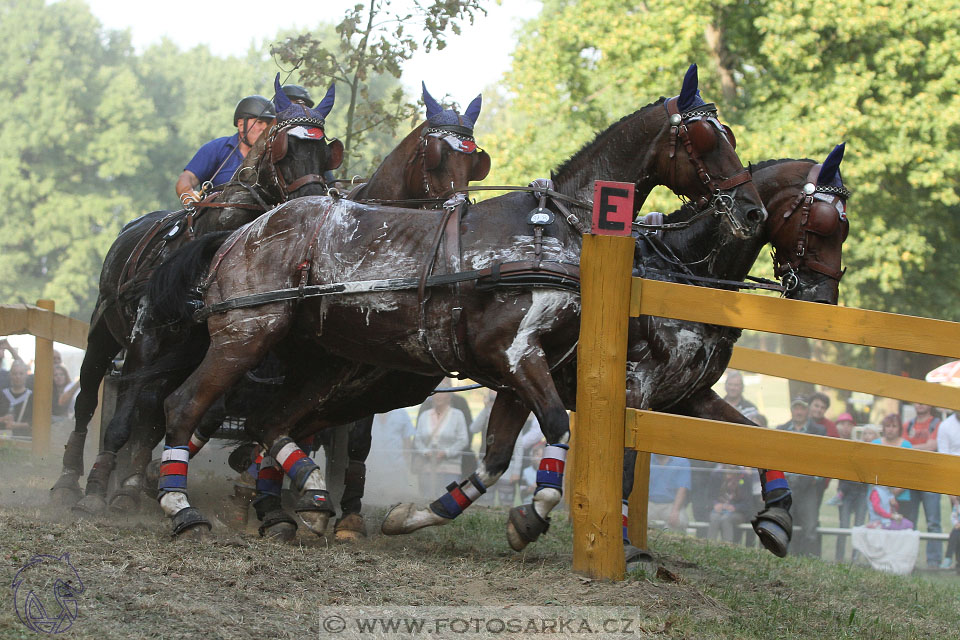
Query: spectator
{"x": 391, "y": 438}
{"x": 440, "y": 439}
{"x": 819, "y": 403}
{"x": 892, "y": 436}
{"x": 882, "y": 507}
{"x": 4, "y": 373}
{"x": 16, "y": 402}
{"x": 921, "y": 431}
{"x": 952, "y": 557}
{"x": 64, "y": 391}
{"x": 807, "y": 490}
{"x": 669, "y": 489}
{"x": 851, "y": 497}
{"x": 733, "y": 385}
{"x": 948, "y": 436}
{"x": 732, "y": 504}
{"x": 468, "y": 459}
{"x": 870, "y": 432}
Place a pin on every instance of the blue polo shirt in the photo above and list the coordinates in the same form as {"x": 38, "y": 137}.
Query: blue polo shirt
{"x": 217, "y": 160}
{"x": 667, "y": 477}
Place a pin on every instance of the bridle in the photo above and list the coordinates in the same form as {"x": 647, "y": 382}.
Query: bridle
{"x": 276, "y": 150}
{"x": 429, "y": 155}
{"x": 813, "y": 198}
{"x": 694, "y": 129}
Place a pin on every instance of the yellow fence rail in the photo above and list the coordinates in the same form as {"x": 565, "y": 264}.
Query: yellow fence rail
{"x": 603, "y": 430}
{"x": 48, "y": 327}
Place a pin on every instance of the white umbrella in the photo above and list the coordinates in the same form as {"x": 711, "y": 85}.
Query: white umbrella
{"x": 948, "y": 374}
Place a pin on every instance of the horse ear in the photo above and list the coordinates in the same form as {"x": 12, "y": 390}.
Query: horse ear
{"x": 830, "y": 170}
{"x": 690, "y": 90}
{"x": 336, "y": 154}
{"x": 280, "y": 99}
{"x": 433, "y": 107}
{"x": 473, "y": 109}
{"x": 327, "y": 103}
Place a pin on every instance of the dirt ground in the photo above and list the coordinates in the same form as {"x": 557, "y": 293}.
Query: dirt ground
{"x": 138, "y": 583}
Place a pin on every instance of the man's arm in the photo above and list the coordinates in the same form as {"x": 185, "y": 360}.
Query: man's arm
{"x": 187, "y": 182}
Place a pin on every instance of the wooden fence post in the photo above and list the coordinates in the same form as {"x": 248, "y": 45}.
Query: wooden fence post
{"x": 43, "y": 388}
{"x": 605, "y": 277}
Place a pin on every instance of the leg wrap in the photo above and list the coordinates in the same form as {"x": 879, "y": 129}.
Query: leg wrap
{"x": 173, "y": 470}
{"x": 294, "y": 461}
{"x": 550, "y": 473}
{"x": 624, "y": 518}
{"x": 458, "y": 497}
{"x": 774, "y": 486}
{"x": 269, "y": 477}
{"x": 100, "y": 474}
{"x": 196, "y": 443}
{"x": 317, "y": 500}
{"x": 73, "y": 453}
{"x": 354, "y": 482}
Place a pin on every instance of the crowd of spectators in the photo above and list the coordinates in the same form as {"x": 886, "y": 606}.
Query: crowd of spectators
{"x": 16, "y": 393}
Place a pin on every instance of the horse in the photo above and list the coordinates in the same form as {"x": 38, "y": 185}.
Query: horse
{"x": 807, "y": 238}
{"x": 441, "y": 154}
{"x": 488, "y": 292}
{"x": 672, "y": 364}
{"x": 289, "y": 160}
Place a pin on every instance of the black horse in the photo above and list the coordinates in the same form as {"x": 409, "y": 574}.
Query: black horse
{"x": 289, "y": 161}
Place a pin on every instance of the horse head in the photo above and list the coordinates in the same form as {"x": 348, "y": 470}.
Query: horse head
{"x": 448, "y": 157}
{"x": 296, "y": 152}
{"x": 807, "y": 227}
{"x": 695, "y": 155}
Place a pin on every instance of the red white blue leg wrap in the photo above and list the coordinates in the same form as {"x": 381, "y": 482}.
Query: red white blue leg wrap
{"x": 772, "y": 480}
{"x": 269, "y": 476}
{"x": 297, "y": 464}
{"x": 173, "y": 470}
{"x": 624, "y": 518}
{"x": 550, "y": 473}
{"x": 196, "y": 443}
{"x": 458, "y": 497}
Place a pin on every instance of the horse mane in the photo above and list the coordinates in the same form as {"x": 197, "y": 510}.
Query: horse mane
{"x": 600, "y": 139}
{"x": 763, "y": 164}
{"x": 169, "y": 287}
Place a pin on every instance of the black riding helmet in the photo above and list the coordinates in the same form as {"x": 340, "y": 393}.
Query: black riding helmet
{"x": 254, "y": 107}
{"x": 296, "y": 92}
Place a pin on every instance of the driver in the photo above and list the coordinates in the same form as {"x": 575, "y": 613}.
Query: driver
{"x": 219, "y": 159}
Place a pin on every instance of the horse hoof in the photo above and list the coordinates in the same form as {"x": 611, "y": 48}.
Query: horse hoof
{"x": 773, "y": 537}
{"x": 277, "y": 525}
{"x": 189, "y": 524}
{"x": 65, "y": 496}
{"x": 314, "y": 510}
{"x": 634, "y": 556}
{"x": 124, "y": 504}
{"x": 524, "y": 526}
{"x": 350, "y": 528}
{"x": 316, "y": 521}
{"x": 90, "y": 505}
{"x": 395, "y": 523}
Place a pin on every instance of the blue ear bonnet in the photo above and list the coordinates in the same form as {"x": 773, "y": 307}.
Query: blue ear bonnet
{"x": 689, "y": 97}
{"x": 287, "y": 109}
{"x": 437, "y": 116}
{"x": 830, "y": 170}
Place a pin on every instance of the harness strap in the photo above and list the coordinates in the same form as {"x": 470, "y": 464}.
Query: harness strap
{"x": 554, "y": 275}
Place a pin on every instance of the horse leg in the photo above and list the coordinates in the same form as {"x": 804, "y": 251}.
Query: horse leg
{"x": 506, "y": 420}
{"x": 143, "y": 439}
{"x": 229, "y": 357}
{"x": 101, "y": 349}
{"x": 350, "y": 526}
{"x": 774, "y": 524}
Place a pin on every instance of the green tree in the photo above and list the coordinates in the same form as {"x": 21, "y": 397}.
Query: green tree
{"x": 373, "y": 41}
{"x": 793, "y": 79}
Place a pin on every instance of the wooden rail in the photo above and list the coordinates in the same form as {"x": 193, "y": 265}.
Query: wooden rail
{"x": 603, "y": 386}
{"x": 47, "y": 327}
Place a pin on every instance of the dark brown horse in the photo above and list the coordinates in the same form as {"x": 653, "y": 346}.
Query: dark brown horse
{"x": 441, "y": 153}
{"x": 672, "y": 364}
{"x": 482, "y": 293}
{"x": 287, "y": 162}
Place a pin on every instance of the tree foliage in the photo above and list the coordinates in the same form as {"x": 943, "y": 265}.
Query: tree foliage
{"x": 793, "y": 79}
{"x": 374, "y": 40}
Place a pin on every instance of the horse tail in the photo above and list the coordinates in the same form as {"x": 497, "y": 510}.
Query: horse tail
{"x": 173, "y": 283}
